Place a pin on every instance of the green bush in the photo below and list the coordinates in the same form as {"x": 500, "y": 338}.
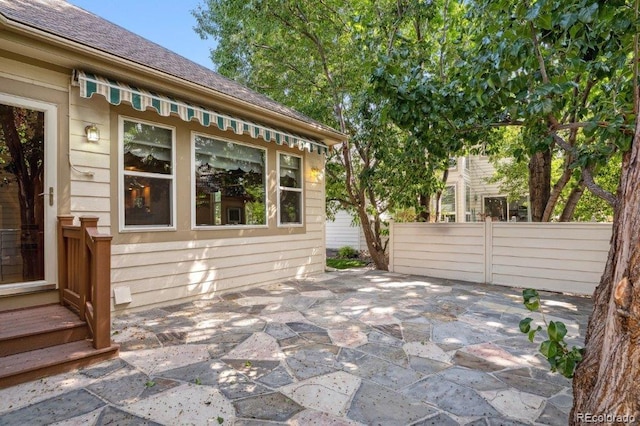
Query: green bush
{"x": 347, "y": 252}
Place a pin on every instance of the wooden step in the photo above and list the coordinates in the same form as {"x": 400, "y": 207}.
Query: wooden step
{"x": 24, "y": 330}
{"x": 32, "y": 365}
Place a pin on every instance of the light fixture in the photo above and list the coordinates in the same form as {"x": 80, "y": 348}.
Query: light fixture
{"x": 92, "y": 133}
{"x": 316, "y": 174}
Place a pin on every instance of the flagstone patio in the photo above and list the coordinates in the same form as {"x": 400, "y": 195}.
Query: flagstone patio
{"x": 346, "y": 348}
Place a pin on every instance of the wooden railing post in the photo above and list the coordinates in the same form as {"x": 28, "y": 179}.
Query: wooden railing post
{"x": 63, "y": 272}
{"x": 85, "y": 283}
{"x": 101, "y": 298}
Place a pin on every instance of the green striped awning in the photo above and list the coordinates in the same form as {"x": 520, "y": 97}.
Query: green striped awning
{"x": 117, "y": 92}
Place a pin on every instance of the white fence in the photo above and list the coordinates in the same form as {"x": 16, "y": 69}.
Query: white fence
{"x": 562, "y": 257}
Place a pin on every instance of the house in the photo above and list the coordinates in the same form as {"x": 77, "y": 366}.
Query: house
{"x": 203, "y": 185}
{"x": 467, "y": 197}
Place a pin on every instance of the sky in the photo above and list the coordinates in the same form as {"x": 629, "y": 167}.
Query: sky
{"x": 168, "y": 23}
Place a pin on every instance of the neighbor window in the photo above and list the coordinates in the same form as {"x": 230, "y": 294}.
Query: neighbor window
{"x": 448, "y": 204}
{"x": 229, "y": 183}
{"x": 290, "y": 189}
{"x": 147, "y": 159}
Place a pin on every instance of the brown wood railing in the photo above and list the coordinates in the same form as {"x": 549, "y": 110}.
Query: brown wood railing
{"x": 84, "y": 275}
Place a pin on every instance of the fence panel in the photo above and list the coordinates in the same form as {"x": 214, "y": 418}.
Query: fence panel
{"x": 562, "y": 257}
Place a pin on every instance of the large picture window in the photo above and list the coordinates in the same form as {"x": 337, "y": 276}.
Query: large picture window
{"x": 147, "y": 159}
{"x": 290, "y": 189}
{"x": 230, "y": 183}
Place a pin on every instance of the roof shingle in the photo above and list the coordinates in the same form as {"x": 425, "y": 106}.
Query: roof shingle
{"x": 65, "y": 20}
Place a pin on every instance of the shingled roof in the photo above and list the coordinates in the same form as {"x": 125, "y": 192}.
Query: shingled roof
{"x": 65, "y": 20}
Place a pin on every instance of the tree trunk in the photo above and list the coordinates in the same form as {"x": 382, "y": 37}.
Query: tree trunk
{"x": 539, "y": 183}
{"x": 607, "y": 380}
{"x": 424, "y": 201}
{"x": 572, "y": 202}
{"x": 374, "y": 243}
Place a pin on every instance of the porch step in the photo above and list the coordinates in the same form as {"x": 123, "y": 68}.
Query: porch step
{"x": 32, "y": 365}
{"x": 24, "y": 330}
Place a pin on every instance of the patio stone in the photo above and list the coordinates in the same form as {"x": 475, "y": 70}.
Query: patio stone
{"x": 348, "y": 338}
{"x": 438, "y": 420}
{"x": 123, "y": 386}
{"x": 185, "y": 404}
{"x": 103, "y": 369}
{"x": 553, "y": 416}
{"x": 317, "y": 418}
{"x": 114, "y": 416}
{"x": 135, "y": 338}
{"x": 154, "y": 361}
{"x": 56, "y": 409}
{"x": 376, "y": 405}
{"x": 379, "y": 371}
{"x": 426, "y": 350}
{"x": 272, "y": 406}
{"x": 259, "y": 346}
{"x": 416, "y": 332}
{"x": 343, "y": 350}
{"x": 514, "y": 403}
{"x": 279, "y": 331}
{"x": 385, "y": 339}
{"x": 277, "y": 378}
{"x": 329, "y": 393}
{"x": 451, "y": 397}
{"x": 476, "y": 380}
{"x": 528, "y": 384}
{"x": 427, "y": 366}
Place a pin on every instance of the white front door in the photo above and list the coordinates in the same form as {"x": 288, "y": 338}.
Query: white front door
{"x": 28, "y": 133}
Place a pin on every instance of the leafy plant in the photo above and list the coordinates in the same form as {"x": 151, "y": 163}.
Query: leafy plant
{"x": 198, "y": 381}
{"x": 220, "y": 420}
{"x": 554, "y": 349}
{"x": 150, "y": 384}
{"x": 347, "y": 252}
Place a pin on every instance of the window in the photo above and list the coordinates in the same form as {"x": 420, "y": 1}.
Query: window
{"x": 448, "y": 204}
{"x": 147, "y": 159}
{"x": 290, "y": 190}
{"x": 230, "y": 183}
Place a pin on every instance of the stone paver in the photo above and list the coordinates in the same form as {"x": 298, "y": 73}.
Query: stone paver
{"x": 339, "y": 349}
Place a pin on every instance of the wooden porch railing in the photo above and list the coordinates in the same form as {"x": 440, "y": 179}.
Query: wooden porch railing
{"x": 84, "y": 275}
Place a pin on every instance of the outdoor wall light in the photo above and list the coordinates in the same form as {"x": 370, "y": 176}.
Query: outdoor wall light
{"x": 92, "y": 133}
{"x": 315, "y": 174}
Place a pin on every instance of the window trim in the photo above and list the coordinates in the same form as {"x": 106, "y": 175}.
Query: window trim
{"x": 286, "y": 188}
{"x": 121, "y": 174}
{"x": 194, "y": 225}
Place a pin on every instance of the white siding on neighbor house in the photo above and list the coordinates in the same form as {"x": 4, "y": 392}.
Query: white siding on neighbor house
{"x": 342, "y": 232}
{"x": 162, "y": 273}
{"x": 562, "y": 257}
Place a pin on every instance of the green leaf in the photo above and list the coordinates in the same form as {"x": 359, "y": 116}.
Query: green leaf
{"x": 220, "y": 420}
{"x": 549, "y": 349}
{"x": 557, "y": 331}
{"x": 525, "y": 325}
{"x": 198, "y": 381}
{"x": 531, "y": 299}
{"x": 150, "y": 384}
{"x": 532, "y": 333}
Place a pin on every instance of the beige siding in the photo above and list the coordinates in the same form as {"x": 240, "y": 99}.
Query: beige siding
{"x": 564, "y": 257}
{"x": 164, "y": 273}
{"x": 90, "y": 195}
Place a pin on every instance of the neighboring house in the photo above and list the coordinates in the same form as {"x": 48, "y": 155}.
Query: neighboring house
{"x": 467, "y": 197}
{"x": 206, "y": 186}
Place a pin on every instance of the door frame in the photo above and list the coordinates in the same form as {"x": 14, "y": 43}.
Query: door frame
{"x": 50, "y": 181}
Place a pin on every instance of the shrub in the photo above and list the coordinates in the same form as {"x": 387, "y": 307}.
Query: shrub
{"x": 347, "y": 252}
